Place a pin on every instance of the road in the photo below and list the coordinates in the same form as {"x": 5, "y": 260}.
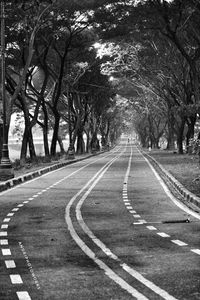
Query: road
{"x": 102, "y": 228}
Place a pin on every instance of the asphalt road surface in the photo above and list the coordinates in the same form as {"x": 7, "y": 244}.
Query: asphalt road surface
{"x": 102, "y": 228}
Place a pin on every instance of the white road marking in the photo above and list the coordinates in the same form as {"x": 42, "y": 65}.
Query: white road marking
{"x": 30, "y": 198}
{"x": 16, "y": 279}
{"x": 169, "y": 194}
{"x": 125, "y": 200}
{"x": 26, "y": 202}
{"x": 10, "y": 264}
{"x": 23, "y": 295}
{"x": 10, "y": 215}
{"x": 6, "y": 251}
{"x": 127, "y": 203}
{"x": 3, "y": 233}
{"x": 179, "y": 243}
{"x": 35, "y": 196}
{"x": 15, "y": 209}
{"x": 163, "y": 234}
{"x": 143, "y": 221}
{"x": 148, "y": 283}
{"x": 6, "y": 220}
{"x": 4, "y": 226}
{"x": 56, "y": 170}
{"x": 132, "y": 211}
{"x": 20, "y": 205}
{"x": 3, "y": 242}
{"x": 136, "y": 216}
{"x": 92, "y": 255}
{"x": 197, "y": 251}
{"x": 138, "y": 223}
{"x": 129, "y": 207}
{"x": 151, "y": 227}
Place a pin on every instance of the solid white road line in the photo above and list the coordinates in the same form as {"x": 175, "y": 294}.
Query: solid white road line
{"x": 103, "y": 247}
{"x": 109, "y": 272}
{"x": 148, "y": 283}
{"x": 169, "y": 194}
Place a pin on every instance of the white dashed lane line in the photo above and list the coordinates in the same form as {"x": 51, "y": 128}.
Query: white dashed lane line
{"x": 151, "y": 227}
{"x": 136, "y": 216}
{"x": 15, "y": 209}
{"x": 10, "y": 215}
{"x": 16, "y": 279}
{"x": 179, "y": 243}
{"x": 163, "y": 234}
{"x": 3, "y": 242}
{"x": 10, "y": 264}
{"x": 6, "y": 220}
{"x": 4, "y": 226}
{"x": 197, "y": 251}
{"x": 6, "y": 252}
{"x": 23, "y": 295}
{"x": 3, "y": 233}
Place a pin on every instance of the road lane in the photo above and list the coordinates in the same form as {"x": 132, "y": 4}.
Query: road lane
{"x": 52, "y": 266}
{"x": 172, "y": 265}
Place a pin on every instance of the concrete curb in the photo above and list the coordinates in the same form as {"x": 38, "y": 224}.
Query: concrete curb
{"x": 18, "y": 180}
{"x": 188, "y": 196}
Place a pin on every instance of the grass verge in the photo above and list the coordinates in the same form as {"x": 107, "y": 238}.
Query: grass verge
{"x": 185, "y": 168}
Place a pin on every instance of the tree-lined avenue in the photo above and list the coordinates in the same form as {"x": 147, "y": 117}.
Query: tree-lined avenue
{"x": 102, "y": 228}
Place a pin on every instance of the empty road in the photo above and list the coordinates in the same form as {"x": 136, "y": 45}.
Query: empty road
{"x": 102, "y": 228}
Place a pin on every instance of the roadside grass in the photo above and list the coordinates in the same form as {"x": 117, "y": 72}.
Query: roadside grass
{"x": 185, "y": 168}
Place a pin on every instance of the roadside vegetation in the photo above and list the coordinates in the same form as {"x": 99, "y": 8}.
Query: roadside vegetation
{"x": 100, "y": 68}
{"x": 185, "y": 168}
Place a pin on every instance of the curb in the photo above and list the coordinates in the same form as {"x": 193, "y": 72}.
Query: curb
{"x": 188, "y": 196}
{"x": 28, "y": 176}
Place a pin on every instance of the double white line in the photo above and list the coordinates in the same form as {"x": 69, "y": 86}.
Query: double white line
{"x": 108, "y": 271}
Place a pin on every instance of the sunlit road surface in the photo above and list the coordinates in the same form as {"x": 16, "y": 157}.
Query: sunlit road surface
{"x": 102, "y": 228}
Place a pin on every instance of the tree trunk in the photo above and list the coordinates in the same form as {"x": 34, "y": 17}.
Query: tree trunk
{"x": 180, "y": 136}
{"x": 80, "y": 149}
{"x": 55, "y": 133}
{"x": 170, "y": 137}
{"x": 31, "y": 145}
{"x": 1, "y": 139}
{"x": 24, "y": 145}
{"x": 60, "y": 142}
{"x": 190, "y": 133}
